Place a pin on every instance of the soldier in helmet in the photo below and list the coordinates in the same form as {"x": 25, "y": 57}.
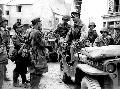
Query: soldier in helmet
{"x": 63, "y": 28}
{"x": 5, "y": 33}
{"x": 92, "y": 34}
{"x": 72, "y": 37}
{"x": 105, "y": 39}
{"x": 3, "y": 54}
{"x": 117, "y": 35}
{"x": 75, "y": 32}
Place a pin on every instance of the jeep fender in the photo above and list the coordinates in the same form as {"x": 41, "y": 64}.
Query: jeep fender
{"x": 90, "y": 70}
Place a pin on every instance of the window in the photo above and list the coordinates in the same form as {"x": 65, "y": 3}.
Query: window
{"x": 19, "y": 8}
{"x": 7, "y": 12}
{"x": 111, "y": 23}
{"x": 110, "y": 6}
{"x": 116, "y": 7}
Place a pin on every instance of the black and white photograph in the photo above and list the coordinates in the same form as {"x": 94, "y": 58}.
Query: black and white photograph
{"x": 59, "y": 44}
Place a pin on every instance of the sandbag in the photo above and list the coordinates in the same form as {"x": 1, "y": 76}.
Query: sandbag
{"x": 102, "y": 52}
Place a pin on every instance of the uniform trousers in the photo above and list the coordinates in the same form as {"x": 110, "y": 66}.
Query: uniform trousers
{"x": 1, "y": 75}
{"x": 35, "y": 80}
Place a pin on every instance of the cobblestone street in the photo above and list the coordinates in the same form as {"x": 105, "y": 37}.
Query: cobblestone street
{"x": 50, "y": 80}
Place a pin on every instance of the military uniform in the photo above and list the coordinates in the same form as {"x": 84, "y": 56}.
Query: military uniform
{"x": 92, "y": 34}
{"x": 75, "y": 32}
{"x": 74, "y": 35}
{"x": 39, "y": 63}
{"x": 3, "y": 55}
{"x": 63, "y": 28}
{"x": 104, "y": 40}
{"x": 19, "y": 59}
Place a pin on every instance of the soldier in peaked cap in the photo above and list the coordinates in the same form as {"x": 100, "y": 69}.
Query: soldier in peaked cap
{"x": 105, "y": 39}
{"x": 35, "y": 21}
{"x": 38, "y": 60}
{"x": 117, "y": 35}
{"x": 63, "y": 28}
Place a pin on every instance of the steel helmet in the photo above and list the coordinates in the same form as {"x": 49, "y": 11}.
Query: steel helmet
{"x": 104, "y": 29}
{"x": 66, "y": 17}
{"x": 91, "y": 24}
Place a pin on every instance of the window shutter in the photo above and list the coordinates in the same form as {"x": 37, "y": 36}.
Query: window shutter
{"x": 110, "y": 6}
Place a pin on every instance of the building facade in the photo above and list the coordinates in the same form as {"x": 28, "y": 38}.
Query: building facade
{"x": 113, "y": 15}
{"x": 19, "y": 12}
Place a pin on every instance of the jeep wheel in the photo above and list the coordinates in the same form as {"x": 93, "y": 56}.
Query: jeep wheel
{"x": 88, "y": 83}
{"x": 66, "y": 79}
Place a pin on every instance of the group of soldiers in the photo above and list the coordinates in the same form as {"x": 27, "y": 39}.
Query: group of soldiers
{"x": 74, "y": 33}
{"x": 29, "y": 52}
{"x": 73, "y": 36}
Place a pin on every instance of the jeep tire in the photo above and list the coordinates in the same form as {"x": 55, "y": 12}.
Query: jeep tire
{"x": 88, "y": 83}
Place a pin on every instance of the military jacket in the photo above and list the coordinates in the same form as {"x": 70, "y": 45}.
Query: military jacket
{"x": 62, "y": 29}
{"x": 37, "y": 52}
{"x": 73, "y": 34}
{"x": 3, "y": 53}
{"x": 6, "y": 36}
{"x": 92, "y": 35}
{"x": 101, "y": 41}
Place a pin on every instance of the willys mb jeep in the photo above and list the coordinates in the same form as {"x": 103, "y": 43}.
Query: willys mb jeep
{"x": 94, "y": 67}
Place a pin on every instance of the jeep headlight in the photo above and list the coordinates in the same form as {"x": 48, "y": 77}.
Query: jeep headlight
{"x": 111, "y": 67}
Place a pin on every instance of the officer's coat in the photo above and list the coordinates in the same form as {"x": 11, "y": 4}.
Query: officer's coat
{"x": 62, "y": 29}
{"x": 38, "y": 52}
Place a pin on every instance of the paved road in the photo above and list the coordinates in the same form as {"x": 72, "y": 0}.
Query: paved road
{"x": 50, "y": 80}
